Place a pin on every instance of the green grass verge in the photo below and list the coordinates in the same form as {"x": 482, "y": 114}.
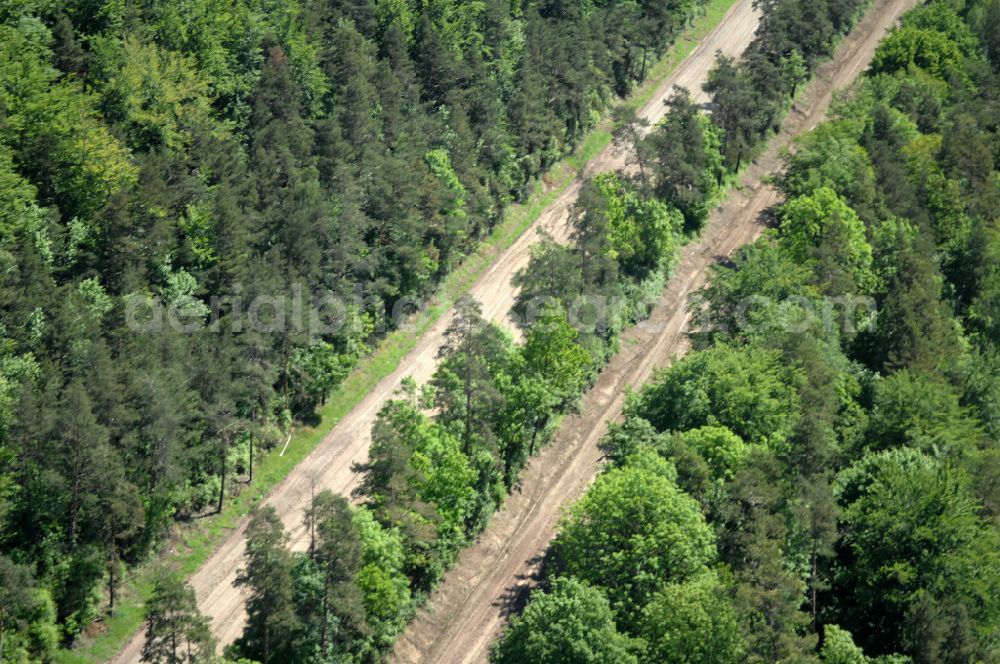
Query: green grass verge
{"x": 687, "y": 42}
{"x": 197, "y": 541}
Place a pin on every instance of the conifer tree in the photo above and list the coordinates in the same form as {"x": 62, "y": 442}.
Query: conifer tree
{"x": 271, "y": 620}
{"x": 176, "y": 632}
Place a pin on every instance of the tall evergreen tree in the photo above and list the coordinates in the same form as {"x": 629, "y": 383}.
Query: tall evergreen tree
{"x": 176, "y": 633}
{"x": 271, "y": 621}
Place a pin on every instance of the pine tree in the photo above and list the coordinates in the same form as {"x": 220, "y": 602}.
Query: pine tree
{"x": 338, "y": 555}
{"x": 267, "y": 573}
{"x": 681, "y": 158}
{"x": 16, "y": 599}
{"x": 915, "y": 328}
{"x": 176, "y": 632}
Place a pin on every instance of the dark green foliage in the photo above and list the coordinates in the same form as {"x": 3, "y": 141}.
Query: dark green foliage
{"x": 738, "y": 113}
{"x": 269, "y": 633}
{"x": 203, "y": 154}
{"x": 684, "y": 161}
{"x": 748, "y": 95}
{"x": 622, "y": 245}
{"x": 916, "y": 328}
{"x": 181, "y": 150}
{"x": 176, "y": 633}
{"x": 847, "y": 462}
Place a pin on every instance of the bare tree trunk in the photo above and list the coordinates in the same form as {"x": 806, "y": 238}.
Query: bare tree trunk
{"x": 253, "y": 418}
{"x": 468, "y": 401}
{"x": 815, "y": 581}
{"x": 326, "y": 617}
{"x": 112, "y": 585}
{"x": 222, "y": 473}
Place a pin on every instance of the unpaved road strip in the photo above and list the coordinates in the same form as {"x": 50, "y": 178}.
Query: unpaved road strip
{"x": 329, "y": 465}
{"x": 492, "y": 578}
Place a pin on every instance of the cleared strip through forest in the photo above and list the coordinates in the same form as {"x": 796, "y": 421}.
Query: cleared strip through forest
{"x": 329, "y": 465}
{"x": 492, "y": 578}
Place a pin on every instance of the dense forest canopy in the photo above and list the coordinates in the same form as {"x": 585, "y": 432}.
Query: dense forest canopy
{"x": 444, "y": 455}
{"x": 812, "y": 488}
{"x": 163, "y": 161}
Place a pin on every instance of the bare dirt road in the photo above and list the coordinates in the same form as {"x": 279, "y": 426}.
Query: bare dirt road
{"x": 329, "y": 465}
{"x": 492, "y": 578}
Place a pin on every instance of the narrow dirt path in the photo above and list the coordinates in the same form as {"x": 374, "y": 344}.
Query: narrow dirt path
{"x": 493, "y": 577}
{"x": 329, "y": 465}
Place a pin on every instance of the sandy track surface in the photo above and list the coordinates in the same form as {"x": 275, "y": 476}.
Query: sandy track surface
{"x": 492, "y": 578}
{"x": 329, "y": 465}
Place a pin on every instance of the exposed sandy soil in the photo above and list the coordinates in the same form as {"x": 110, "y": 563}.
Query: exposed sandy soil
{"x": 329, "y": 465}
{"x": 493, "y": 577}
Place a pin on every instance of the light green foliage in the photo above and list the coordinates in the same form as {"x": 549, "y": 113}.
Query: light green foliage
{"x": 97, "y": 301}
{"x": 724, "y": 451}
{"x": 27, "y": 616}
{"x": 691, "y": 623}
{"x": 570, "y": 624}
{"x": 397, "y": 12}
{"x": 847, "y": 476}
{"x": 180, "y": 293}
{"x": 808, "y": 219}
{"x": 928, "y": 49}
{"x": 714, "y": 168}
{"x": 889, "y": 239}
{"x": 436, "y": 469}
{"x": 382, "y": 579}
{"x": 943, "y": 17}
{"x": 53, "y": 125}
{"x": 551, "y": 353}
{"x": 459, "y": 23}
{"x": 942, "y": 195}
{"x": 751, "y": 391}
{"x": 640, "y": 232}
{"x": 838, "y": 647}
{"x": 283, "y": 18}
{"x": 795, "y": 71}
{"x": 157, "y": 94}
{"x": 178, "y": 150}
{"x": 744, "y": 299}
{"x": 449, "y": 478}
{"x": 319, "y": 368}
{"x": 548, "y": 373}
{"x": 441, "y": 167}
{"x": 196, "y": 224}
{"x": 829, "y": 156}
{"x": 632, "y": 533}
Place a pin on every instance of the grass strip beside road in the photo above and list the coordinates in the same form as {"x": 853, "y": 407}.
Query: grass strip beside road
{"x": 198, "y": 540}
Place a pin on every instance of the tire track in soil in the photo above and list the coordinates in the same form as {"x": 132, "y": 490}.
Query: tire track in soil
{"x": 329, "y": 465}
{"x": 493, "y": 577}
